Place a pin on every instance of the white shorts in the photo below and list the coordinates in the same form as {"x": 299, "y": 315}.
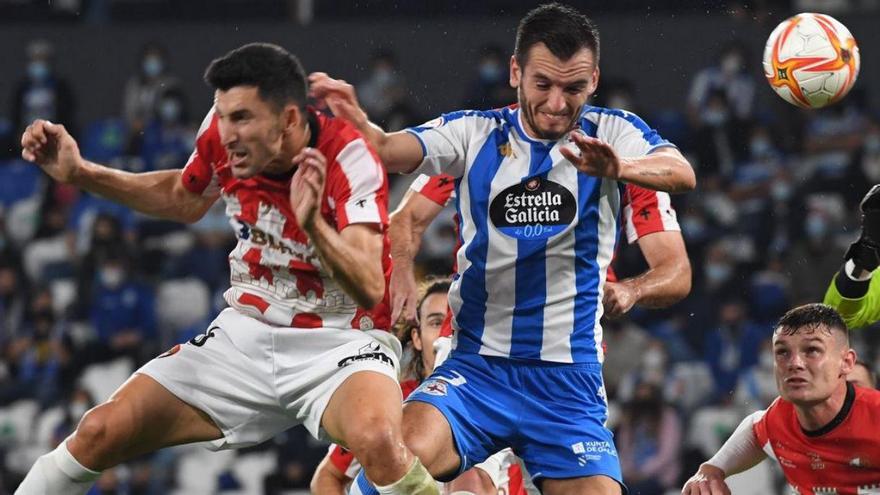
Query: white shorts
{"x": 257, "y": 380}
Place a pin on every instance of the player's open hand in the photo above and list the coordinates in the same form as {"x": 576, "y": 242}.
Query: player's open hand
{"x": 337, "y": 95}
{"x": 592, "y": 156}
{"x": 404, "y": 294}
{"x": 52, "y": 148}
{"x": 618, "y": 299}
{"x": 709, "y": 480}
{"x": 307, "y": 186}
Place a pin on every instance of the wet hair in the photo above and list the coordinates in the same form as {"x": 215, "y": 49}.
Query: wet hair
{"x": 277, "y": 74}
{"x": 429, "y": 287}
{"x": 810, "y": 318}
{"x": 562, "y": 29}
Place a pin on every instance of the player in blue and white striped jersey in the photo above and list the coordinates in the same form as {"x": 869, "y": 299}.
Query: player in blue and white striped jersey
{"x": 538, "y": 194}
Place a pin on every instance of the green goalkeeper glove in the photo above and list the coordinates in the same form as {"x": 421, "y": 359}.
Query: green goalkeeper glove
{"x": 865, "y": 252}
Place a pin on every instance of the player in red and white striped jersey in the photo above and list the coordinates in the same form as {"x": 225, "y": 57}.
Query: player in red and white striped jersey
{"x": 306, "y": 332}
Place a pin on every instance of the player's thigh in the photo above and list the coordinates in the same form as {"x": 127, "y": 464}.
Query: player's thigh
{"x": 140, "y": 417}
{"x": 363, "y": 402}
{"x": 591, "y": 485}
{"x": 428, "y": 435}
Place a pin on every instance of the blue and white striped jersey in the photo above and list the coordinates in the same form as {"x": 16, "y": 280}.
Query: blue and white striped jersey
{"x": 537, "y": 235}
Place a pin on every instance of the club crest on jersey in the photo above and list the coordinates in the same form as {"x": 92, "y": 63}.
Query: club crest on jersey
{"x": 433, "y": 387}
{"x": 533, "y": 210}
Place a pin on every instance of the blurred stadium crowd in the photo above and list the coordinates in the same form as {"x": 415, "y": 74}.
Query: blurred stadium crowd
{"x": 90, "y": 290}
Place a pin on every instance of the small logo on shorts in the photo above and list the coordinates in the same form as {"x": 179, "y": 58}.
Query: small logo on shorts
{"x": 371, "y": 351}
{"x": 366, "y": 323}
{"x": 433, "y": 387}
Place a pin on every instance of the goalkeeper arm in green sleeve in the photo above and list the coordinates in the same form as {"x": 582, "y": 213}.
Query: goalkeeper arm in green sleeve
{"x": 854, "y": 292}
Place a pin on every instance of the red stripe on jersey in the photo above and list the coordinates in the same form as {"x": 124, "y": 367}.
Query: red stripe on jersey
{"x": 645, "y": 212}
{"x": 341, "y": 458}
{"x": 515, "y": 485}
{"x": 438, "y": 189}
{"x": 198, "y": 172}
{"x": 307, "y": 320}
{"x": 255, "y": 301}
{"x": 254, "y": 258}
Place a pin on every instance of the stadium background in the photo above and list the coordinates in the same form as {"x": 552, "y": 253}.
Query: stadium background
{"x": 88, "y": 290}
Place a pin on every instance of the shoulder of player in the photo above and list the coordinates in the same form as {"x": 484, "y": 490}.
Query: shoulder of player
{"x": 487, "y": 119}
{"x": 868, "y": 398}
{"x": 602, "y": 117}
{"x": 335, "y": 136}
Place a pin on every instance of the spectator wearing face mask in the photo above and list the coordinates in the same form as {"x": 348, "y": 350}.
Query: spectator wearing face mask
{"x": 42, "y": 94}
{"x": 123, "y": 313}
{"x": 143, "y": 91}
{"x": 169, "y": 136}
{"x": 490, "y": 87}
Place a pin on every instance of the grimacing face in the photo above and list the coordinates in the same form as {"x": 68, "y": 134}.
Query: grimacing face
{"x": 253, "y": 132}
{"x": 810, "y": 364}
{"x": 552, "y": 92}
{"x": 432, "y": 312}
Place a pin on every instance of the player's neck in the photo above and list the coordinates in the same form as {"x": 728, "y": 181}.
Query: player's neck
{"x": 292, "y": 147}
{"x": 816, "y": 416}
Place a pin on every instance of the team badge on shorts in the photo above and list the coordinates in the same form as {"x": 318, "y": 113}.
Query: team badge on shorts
{"x": 371, "y": 351}
{"x": 434, "y": 387}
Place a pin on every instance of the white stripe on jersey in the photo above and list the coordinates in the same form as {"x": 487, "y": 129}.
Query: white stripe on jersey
{"x": 362, "y": 170}
{"x": 609, "y": 206}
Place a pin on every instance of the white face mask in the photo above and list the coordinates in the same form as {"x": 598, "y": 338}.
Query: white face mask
{"x": 112, "y": 277}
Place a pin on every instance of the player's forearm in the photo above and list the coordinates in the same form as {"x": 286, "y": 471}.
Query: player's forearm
{"x": 405, "y": 238}
{"x": 659, "y": 171}
{"x": 662, "y": 285}
{"x": 151, "y": 193}
{"x": 741, "y": 451}
{"x": 357, "y": 271}
{"x": 325, "y": 483}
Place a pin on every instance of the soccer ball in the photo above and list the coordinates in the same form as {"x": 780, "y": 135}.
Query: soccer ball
{"x": 811, "y": 60}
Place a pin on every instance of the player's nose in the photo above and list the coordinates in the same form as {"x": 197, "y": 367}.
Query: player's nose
{"x": 556, "y": 101}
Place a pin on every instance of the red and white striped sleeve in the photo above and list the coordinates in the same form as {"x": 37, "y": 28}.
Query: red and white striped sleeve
{"x": 357, "y": 186}
{"x": 438, "y": 188}
{"x": 646, "y": 211}
{"x": 198, "y": 175}
{"x": 343, "y": 460}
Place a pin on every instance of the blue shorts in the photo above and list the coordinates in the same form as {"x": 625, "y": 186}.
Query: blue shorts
{"x": 552, "y": 415}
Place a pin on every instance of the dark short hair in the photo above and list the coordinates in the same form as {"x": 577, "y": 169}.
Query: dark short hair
{"x": 810, "y": 317}
{"x": 561, "y": 28}
{"x": 276, "y": 73}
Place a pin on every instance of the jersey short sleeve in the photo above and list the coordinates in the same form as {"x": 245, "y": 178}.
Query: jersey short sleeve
{"x": 438, "y": 188}
{"x": 343, "y": 460}
{"x": 198, "y": 175}
{"x": 646, "y": 212}
{"x": 445, "y": 141}
{"x": 628, "y": 134}
{"x": 357, "y": 186}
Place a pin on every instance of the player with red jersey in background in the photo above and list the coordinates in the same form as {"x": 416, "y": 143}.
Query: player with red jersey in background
{"x": 821, "y": 430}
{"x": 305, "y": 339}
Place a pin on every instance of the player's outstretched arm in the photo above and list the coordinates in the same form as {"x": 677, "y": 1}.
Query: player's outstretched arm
{"x": 667, "y": 280}
{"x": 739, "y": 453}
{"x": 665, "y": 169}
{"x": 854, "y": 291}
{"x": 159, "y": 194}
{"x": 401, "y": 152}
{"x": 408, "y": 223}
{"x": 328, "y": 479}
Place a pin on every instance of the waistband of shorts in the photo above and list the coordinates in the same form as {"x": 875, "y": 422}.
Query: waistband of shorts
{"x": 528, "y": 363}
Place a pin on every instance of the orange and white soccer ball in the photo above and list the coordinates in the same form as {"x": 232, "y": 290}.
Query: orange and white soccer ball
{"x": 811, "y": 60}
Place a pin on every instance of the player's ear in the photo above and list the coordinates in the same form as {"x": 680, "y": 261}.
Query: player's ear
{"x": 515, "y": 72}
{"x": 594, "y": 80}
{"x": 293, "y": 116}
{"x": 416, "y": 339}
{"x": 849, "y": 362}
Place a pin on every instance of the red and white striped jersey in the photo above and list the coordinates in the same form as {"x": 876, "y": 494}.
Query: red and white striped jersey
{"x": 276, "y": 274}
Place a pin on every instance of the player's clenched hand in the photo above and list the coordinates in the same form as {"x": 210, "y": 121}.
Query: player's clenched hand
{"x": 618, "y": 299}
{"x": 307, "y": 186}
{"x": 592, "y": 156}
{"x": 404, "y": 294}
{"x": 338, "y": 95}
{"x": 709, "y": 480}
{"x": 52, "y": 148}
